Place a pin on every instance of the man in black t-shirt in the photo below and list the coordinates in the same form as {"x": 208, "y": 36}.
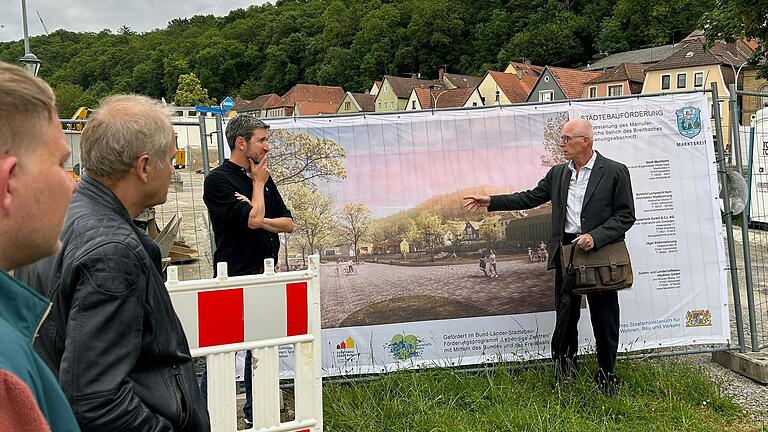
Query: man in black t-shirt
{"x": 246, "y": 212}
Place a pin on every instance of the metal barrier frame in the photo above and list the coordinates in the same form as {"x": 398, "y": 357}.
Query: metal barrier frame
{"x": 755, "y": 344}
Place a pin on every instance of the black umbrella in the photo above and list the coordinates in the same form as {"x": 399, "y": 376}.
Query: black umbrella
{"x": 564, "y": 316}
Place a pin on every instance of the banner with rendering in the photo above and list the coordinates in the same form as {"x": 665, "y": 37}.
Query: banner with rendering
{"x": 409, "y": 278}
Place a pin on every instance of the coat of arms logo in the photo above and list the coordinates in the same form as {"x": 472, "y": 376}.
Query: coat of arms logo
{"x": 688, "y": 121}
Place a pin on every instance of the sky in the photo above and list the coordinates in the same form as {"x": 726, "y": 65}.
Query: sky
{"x": 94, "y": 16}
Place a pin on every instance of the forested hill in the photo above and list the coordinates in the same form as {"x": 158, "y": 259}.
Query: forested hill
{"x": 350, "y": 43}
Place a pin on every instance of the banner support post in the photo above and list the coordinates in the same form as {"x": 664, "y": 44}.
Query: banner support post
{"x": 744, "y": 224}
{"x": 728, "y": 218}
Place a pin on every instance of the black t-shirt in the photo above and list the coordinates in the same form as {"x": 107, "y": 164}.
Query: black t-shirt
{"x": 242, "y": 248}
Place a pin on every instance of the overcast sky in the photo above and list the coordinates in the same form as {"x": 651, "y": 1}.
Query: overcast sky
{"x": 96, "y": 15}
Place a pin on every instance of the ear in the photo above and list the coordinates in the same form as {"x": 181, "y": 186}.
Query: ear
{"x": 142, "y": 167}
{"x": 240, "y": 143}
{"x": 7, "y": 169}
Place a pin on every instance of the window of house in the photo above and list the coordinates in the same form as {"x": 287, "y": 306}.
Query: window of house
{"x": 178, "y": 114}
{"x": 764, "y": 99}
{"x": 413, "y": 104}
{"x": 593, "y": 92}
{"x": 615, "y": 90}
{"x": 698, "y": 79}
{"x": 192, "y": 113}
{"x": 497, "y": 96}
{"x": 665, "y": 82}
{"x": 681, "y": 78}
{"x": 347, "y": 105}
{"x": 474, "y": 103}
{"x": 378, "y": 104}
{"x": 546, "y": 95}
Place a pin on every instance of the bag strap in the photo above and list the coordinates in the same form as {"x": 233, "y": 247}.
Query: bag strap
{"x": 564, "y": 183}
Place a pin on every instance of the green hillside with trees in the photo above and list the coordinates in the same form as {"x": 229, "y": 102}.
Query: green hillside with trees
{"x": 349, "y": 43}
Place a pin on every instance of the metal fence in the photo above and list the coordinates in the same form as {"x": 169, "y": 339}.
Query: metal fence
{"x": 738, "y": 149}
{"x": 751, "y": 153}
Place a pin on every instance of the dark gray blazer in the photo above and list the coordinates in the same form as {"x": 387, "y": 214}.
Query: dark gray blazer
{"x": 607, "y": 213}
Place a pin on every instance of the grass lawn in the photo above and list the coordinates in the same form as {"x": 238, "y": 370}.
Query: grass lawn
{"x": 657, "y": 395}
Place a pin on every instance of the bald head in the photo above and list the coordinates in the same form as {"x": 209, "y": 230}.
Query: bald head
{"x": 580, "y": 127}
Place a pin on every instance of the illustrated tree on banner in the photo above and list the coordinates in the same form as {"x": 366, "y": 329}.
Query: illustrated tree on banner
{"x": 296, "y": 159}
{"x": 427, "y": 230}
{"x": 355, "y": 223}
{"x": 491, "y": 230}
{"x": 552, "y": 130}
{"x": 312, "y": 215}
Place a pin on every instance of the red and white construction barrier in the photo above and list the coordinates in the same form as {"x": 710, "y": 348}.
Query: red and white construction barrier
{"x": 260, "y": 313}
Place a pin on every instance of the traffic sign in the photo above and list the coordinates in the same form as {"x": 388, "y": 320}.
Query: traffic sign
{"x": 227, "y": 104}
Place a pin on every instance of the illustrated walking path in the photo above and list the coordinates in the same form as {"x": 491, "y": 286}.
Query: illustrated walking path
{"x": 522, "y": 287}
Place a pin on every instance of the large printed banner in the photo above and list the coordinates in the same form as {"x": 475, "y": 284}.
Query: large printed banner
{"x": 409, "y": 278}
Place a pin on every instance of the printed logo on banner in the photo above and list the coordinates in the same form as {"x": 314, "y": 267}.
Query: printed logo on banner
{"x": 346, "y": 351}
{"x": 404, "y": 347}
{"x": 688, "y": 121}
{"x": 698, "y": 318}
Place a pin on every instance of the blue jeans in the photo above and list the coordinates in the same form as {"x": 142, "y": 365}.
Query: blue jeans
{"x": 248, "y": 406}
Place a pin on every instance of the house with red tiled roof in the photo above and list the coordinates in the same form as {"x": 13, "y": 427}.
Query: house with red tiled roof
{"x": 306, "y": 100}
{"x": 356, "y": 102}
{"x": 556, "y": 83}
{"x": 395, "y": 91}
{"x": 696, "y": 66}
{"x": 624, "y": 79}
{"x": 425, "y": 98}
{"x": 256, "y": 106}
{"x": 511, "y": 86}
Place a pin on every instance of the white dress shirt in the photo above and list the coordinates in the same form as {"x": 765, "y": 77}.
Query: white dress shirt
{"x": 576, "y": 190}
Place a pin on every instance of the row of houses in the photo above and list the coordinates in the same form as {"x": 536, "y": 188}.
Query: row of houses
{"x": 688, "y": 65}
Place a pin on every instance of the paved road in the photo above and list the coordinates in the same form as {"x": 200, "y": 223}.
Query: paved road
{"x": 522, "y": 287}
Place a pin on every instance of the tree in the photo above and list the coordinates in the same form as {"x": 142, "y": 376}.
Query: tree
{"x": 312, "y": 214}
{"x": 490, "y": 230}
{"x": 734, "y": 19}
{"x": 553, "y": 154}
{"x": 69, "y": 97}
{"x": 428, "y": 230}
{"x": 355, "y": 223}
{"x": 190, "y": 92}
{"x": 297, "y": 158}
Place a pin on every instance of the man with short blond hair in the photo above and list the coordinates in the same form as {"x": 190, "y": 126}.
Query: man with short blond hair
{"x": 113, "y": 336}
{"x": 35, "y": 191}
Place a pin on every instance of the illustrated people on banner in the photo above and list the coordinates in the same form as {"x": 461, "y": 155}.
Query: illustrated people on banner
{"x": 592, "y": 198}
{"x": 247, "y": 212}
{"x": 35, "y": 190}
{"x": 482, "y": 262}
{"x": 492, "y": 261}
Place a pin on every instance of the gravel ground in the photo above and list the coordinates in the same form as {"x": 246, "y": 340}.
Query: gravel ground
{"x": 751, "y": 395}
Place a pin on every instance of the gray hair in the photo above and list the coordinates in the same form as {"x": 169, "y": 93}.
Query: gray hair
{"x": 123, "y": 128}
{"x": 243, "y": 125}
{"x": 27, "y": 104}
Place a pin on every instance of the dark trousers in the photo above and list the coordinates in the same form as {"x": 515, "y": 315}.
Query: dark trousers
{"x": 604, "y": 313}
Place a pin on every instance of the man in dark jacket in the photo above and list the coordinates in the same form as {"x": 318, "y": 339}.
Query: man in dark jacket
{"x": 592, "y": 205}
{"x": 35, "y": 191}
{"x": 113, "y": 337}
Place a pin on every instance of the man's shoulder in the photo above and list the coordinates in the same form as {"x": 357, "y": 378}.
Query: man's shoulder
{"x": 16, "y": 355}
{"x": 610, "y": 163}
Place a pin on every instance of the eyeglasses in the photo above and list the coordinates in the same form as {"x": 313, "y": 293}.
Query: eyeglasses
{"x": 566, "y": 138}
